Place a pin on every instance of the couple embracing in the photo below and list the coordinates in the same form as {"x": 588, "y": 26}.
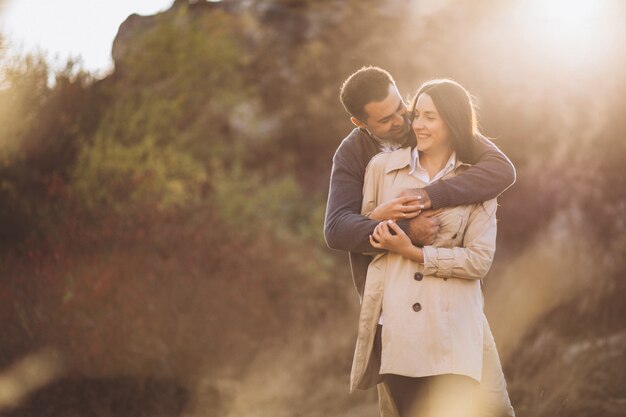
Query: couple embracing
{"x": 412, "y": 199}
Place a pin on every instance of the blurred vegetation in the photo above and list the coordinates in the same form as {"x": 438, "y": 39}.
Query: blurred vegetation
{"x": 166, "y": 221}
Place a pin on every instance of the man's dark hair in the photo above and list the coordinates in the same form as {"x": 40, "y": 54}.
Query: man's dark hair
{"x": 364, "y": 86}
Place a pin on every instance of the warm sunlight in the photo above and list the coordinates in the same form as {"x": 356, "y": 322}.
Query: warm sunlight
{"x": 192, "y": 225}
{"x": 566, "y": 17}
{"x": 569, "y": 32}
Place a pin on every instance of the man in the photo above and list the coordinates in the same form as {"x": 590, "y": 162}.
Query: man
{"x": 377, "y": 110}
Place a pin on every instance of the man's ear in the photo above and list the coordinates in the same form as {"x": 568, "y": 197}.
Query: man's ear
{"x": 358, "y": 123}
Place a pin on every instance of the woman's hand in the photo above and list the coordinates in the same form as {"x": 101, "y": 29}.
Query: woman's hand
{"x": 399, "y": 208}
{"x": 399, "y": 243}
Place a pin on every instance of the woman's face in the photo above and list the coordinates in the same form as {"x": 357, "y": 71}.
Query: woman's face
{"x": 430, "y": 129}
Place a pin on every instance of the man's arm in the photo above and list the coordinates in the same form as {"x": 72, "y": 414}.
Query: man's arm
{"x": 344, "y": 227}
{"x": 491, "y": 174}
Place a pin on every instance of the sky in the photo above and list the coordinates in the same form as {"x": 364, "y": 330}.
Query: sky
{"x": 72, "y": 28}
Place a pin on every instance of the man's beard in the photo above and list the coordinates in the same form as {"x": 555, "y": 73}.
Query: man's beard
{"x": 397, "y": 138}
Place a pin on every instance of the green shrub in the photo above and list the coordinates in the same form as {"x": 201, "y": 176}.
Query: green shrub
{"x": 127, "y": 178}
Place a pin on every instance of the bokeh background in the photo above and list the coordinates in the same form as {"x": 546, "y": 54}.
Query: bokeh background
{"x": 161, "y": 245}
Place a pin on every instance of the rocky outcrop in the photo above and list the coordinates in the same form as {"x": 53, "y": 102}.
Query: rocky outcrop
{"x": 129, "y": 29}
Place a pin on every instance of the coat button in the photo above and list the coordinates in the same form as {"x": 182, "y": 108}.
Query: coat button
{"x": 417, "y": 307}
{"x": 418, "y": 276}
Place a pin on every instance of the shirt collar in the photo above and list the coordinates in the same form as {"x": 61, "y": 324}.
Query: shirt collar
{"x": 451, "y": 165}
{"x": 404, "y": 157}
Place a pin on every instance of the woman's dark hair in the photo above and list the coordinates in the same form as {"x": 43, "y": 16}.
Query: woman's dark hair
{"x": 456, "y": 108}
{"x": 362, "y": 87}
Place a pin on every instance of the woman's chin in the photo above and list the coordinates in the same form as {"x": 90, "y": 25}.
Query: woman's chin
{"x": 423, "y": 147}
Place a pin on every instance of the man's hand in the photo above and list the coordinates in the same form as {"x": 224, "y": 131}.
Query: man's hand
{"x": 422, "y": 197}
{"x": 424, "y": 228}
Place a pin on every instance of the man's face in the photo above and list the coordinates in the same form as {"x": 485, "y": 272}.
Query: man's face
{"x": 386, "y": 119}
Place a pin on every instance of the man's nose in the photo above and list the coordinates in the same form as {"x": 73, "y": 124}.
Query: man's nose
{"x": 398, "y": 118}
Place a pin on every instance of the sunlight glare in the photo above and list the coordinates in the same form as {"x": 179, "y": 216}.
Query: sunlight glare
{"x": 575, "y": 33}
{"x": 566, "y": 17}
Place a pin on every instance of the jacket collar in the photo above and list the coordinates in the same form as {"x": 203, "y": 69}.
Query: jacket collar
{"x": 401, "y": 158}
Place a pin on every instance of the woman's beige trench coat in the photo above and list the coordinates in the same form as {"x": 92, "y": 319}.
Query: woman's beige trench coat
{"x": 433, "y": 313}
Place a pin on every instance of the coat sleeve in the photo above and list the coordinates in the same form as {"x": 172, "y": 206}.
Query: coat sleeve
{"x": 344, "y": 226}
{"x": 372, "y": 184}
{"x": 473, "y": 260}
{"x": 491, "y": 174}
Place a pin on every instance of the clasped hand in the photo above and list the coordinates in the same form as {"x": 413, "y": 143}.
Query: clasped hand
{"x": 410, "y": 205}
{"x": 405, "y": 207}
{"x": 382, "y": 238}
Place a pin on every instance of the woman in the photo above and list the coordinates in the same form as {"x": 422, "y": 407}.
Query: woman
{"x": 428, "y": 300}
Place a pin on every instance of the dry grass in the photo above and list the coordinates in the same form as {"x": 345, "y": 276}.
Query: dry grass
{"x": 244, "y": 332}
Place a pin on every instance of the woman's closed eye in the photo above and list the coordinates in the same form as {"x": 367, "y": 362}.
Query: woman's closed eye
{"x": 428, "y": 116}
